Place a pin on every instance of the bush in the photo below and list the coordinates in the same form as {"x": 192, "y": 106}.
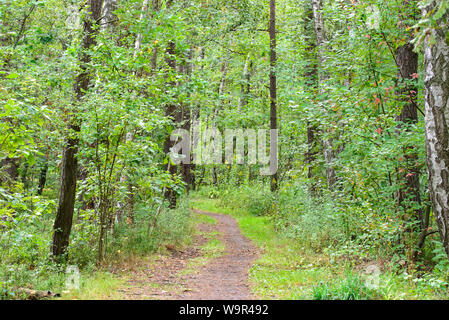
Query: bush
{"x": 315, "y": 222}
{"x": 149, "y": 232}
{"x": 256, "y": 199}
{"x": 25, "y": 260}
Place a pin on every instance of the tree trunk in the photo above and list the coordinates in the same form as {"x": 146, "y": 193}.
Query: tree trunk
{"x": 156, "y": 49}
{"x": 436, "y": 66}
{"x": 109, "y": 19}
{"x": 138, "y": 42}
{"x": 221, "y": 87}
{"x": 171, "y": 111}
{"x": 42, "y": 177}
{"x": 409, "y": 197}
{"x": 246, "y": 85}
{"x": 310, "y": 84}
{"x": 186, "y": 122}
{"x": 320, "y": 36}
{"x": 67, "y": 191}
{"x": 273, "y": 80}
{"x": 11, "y": 168}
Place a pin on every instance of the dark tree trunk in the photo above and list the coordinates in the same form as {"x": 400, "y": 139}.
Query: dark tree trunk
{"x": 64, "y": 215}
{"x": 11, "y": 168}
{"x": 171, "y": 111}
{"x": 407, "y": 61}
{"x": 409, "y": 194}
{"x": 42, "y": 177}
{"x": 63, "y": 222}
{"x": 24, "y": 176}
{"x": 273, "y": 84}
{"x": 311, "y": 84}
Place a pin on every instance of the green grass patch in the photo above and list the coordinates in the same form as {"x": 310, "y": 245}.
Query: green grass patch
{"x": 202, "y": 218}
{"x": 350, "y": 288}
{"x": 99, "y": 286}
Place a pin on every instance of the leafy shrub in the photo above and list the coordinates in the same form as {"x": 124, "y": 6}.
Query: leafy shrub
{"x": 5, "y": 292}
{"x": 440, "y": 258}
{"x": 149, "y": 232}
{"x": 315, "y": 222}
{"x": 256, "y": 199}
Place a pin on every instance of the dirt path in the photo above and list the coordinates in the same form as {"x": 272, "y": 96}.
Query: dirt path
{"x": 225, "y": 277}
{"x": 222, "y": 278}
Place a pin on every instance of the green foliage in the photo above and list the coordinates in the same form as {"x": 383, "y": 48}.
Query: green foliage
{"x": 440, "y": 259}
{"x": 290, "y": 269}
{"x": 151, "y": 232}
{"x": 258, "y": 200}
{"x": 350, "y": 288}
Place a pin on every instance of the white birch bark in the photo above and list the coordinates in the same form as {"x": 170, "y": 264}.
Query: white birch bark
{"x": 436, "y": 82}
{"x": 109, "y": 18}
{"x": 243, "y": 100}
{"x": 138, "y": 43}
{"x": 320, "y": 36}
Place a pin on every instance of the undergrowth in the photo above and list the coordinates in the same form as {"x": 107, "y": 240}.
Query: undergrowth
{"x": 25, "y": 260}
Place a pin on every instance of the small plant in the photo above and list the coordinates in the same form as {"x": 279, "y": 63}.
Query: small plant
{"x": 440, "y": 258}
{"x": 350, "y": 288}
{"x": 5, "y": 293}
{"x": 214, "y": 194}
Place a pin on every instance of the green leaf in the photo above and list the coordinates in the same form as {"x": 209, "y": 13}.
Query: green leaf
{"x": 12, "y": 76}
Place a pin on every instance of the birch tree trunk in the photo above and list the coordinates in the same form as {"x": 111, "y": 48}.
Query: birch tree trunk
{"x": 246, "y": 85}
{"x": 320, "y": 36}
{"x": 409, "y": 198}
{"x": 436, "y": 82}
{"x": 109, "y": 19}
{"x": 221, "y": 87}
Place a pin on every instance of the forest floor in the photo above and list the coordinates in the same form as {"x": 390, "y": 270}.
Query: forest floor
{"x": 218, "y": 263}
{"x": 236, "y": 255}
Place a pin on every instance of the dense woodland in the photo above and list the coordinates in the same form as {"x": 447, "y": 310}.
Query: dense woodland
{"x": 91, "y": 90}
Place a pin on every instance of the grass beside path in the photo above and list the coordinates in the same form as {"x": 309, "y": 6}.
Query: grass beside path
{"x": 104, "y": 285}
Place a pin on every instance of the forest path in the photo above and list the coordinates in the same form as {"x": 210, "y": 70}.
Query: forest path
{"x": 223, "y": 277}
